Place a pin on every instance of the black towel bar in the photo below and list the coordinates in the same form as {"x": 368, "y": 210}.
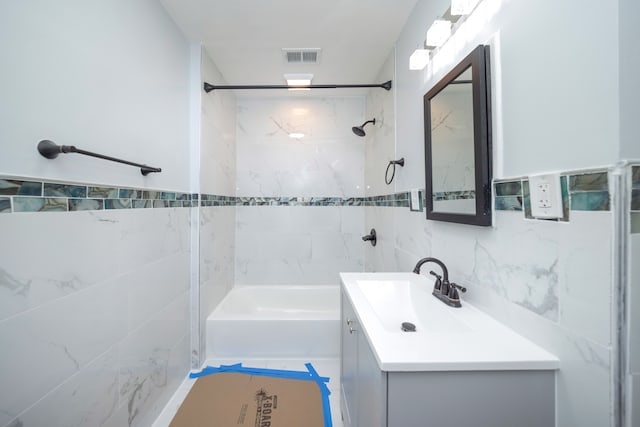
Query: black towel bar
{"x": 50, "y": 150}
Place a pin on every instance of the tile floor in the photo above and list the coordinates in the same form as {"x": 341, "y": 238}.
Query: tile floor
{"x": 325, "y": 367}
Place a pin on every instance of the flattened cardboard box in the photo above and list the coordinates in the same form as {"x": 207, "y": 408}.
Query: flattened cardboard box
{"x": 229, "y": 399}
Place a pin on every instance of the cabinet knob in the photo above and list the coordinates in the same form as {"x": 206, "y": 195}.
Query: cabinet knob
{"x": 351, "y": 330}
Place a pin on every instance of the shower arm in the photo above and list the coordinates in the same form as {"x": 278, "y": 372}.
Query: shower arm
{"x": 209, "y": 87}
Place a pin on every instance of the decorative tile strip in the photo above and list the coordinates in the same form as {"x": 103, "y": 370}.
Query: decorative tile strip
{"x": 508, "y": 203}
{"x": 635, "y": 199}
{"x": 10, "y": 187}
{"x": 5, "y": 205}
{"x": 635, "y": 177}
{"x": 86, "y": 204}
{"x": 508, "y": 195}
{"x": 508, "y": 188}
{"x": 598, "y": 181}
{"x": 130, "y": 193}
{"x": 635, "y": 222}
{"x": 117, "y": 203}
{"x": 580, "y": 192}
{"x": 17, "y": 195}
{"x": 102, "y": 193}
{"x": 590, "y": 192}
{"x": 40, "y": 204}
{"x": 64, "y": 190}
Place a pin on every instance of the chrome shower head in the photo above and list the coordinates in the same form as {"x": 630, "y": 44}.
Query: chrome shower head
{"x": 359, "y": 130}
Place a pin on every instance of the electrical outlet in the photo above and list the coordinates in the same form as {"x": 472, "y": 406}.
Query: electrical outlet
{"x": 546, "y": 196}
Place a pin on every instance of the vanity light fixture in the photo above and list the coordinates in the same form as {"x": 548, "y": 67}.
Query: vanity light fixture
{"x": 419, "y": 59}
{"x": 463, "y": 7}
{"x": 438, "y": 32}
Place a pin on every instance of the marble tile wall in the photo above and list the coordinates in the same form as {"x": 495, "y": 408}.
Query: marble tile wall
{"x": 551, "y": 281}
{"x": 380, "y": 145}
{"x": 292, "y": 224}
{"x": 214, "y": 267}
{"x": 299, "y": 245}
{"x": 94, "y": 322}
{"x": 328, "y": 161}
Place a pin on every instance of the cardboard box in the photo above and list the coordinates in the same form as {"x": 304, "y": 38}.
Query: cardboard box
{"x": 229, "y": 399}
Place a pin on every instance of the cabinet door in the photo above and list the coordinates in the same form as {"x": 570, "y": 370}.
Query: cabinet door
{"x": 349, "y": 364}
{"x": 371, "y": 388}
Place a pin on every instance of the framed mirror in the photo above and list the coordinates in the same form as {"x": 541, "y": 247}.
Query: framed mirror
{"x": 457, "y": 124}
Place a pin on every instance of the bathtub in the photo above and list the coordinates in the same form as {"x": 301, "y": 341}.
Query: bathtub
{"x": 276, "y": 321}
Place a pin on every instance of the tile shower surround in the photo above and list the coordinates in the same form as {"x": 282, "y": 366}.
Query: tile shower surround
{"x": 581, "y": 192}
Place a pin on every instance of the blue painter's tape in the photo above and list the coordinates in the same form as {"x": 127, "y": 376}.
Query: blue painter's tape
{"x": 310, "y": 375}
{"x": 324, "y": 391}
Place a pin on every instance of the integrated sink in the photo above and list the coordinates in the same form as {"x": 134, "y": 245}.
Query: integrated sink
{"x": 445, "y": 338}
{"x": 397, "y": 301}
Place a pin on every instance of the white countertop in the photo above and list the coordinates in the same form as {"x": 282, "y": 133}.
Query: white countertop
{"x": 446, "y": 338}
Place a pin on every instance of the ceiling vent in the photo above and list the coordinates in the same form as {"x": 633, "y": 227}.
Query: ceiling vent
{"x": 302, "y": 56}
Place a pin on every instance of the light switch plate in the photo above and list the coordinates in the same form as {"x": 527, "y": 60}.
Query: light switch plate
{"x": 546, "y": 196}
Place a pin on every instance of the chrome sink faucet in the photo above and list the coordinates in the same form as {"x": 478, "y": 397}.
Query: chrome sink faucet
{"x": 444, "y": 290}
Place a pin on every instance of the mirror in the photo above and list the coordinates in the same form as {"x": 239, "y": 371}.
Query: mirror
{"x": 457, "y": 123}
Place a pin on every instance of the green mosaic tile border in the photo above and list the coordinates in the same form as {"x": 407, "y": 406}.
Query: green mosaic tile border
{"x": 580, "y": 192}
{"x": 18, "y": 195}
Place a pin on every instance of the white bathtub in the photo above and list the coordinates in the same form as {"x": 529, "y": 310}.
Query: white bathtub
{"x": 276, "y": 321}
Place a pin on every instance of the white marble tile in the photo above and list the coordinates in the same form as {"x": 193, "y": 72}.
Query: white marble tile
{"x": 34, "y": 270}
{"x": 634, "y": 310}
{"x": 317, "y": 218}
{"x": 67, "y": 333}
{"x": 154, "y": 286}
{"x": 328, "y": 161}
{"x": 382, "y": 256}
{"x": 162, "y": 232}
{"x": 380, "y": 144}
{"x": 89, "y": 397}
{"x": 296, "y": 244}
{"x": 152, "y": 359}
{"x": 217, "y": 135}
{"x": 260, "y": 218}
{"x": 217, "y": 242}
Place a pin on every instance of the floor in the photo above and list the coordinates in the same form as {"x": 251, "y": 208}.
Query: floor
{"x": 325, "y": 367}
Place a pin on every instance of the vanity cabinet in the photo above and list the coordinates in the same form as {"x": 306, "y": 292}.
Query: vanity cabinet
{"x": 481, "y": 398}
{"x": 363, "y": 385}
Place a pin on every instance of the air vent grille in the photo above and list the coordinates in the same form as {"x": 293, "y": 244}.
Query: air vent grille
{"x": 302, "y": 56}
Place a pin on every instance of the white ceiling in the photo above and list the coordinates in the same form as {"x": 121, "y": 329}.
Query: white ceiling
{"x": 245, "y": 38}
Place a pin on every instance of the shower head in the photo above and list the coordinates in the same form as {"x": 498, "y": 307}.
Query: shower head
{"x": 359, "y": 130}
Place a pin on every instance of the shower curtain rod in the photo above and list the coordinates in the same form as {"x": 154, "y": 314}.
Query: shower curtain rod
{"x": 209, "y": 87}
{"x": 50, "y": 150}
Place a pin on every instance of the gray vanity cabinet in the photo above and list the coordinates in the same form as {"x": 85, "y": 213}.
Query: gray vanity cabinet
{"x": 375, "y": 398}
{"x": 363, "y": 384}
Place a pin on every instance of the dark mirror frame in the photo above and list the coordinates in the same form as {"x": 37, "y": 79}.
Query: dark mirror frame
{"x": 478, "y": 60}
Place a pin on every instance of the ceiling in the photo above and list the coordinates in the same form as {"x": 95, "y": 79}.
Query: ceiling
{"x": 245, "y": 38}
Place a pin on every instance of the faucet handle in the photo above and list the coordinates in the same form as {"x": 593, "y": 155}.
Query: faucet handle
{"x": 438, "y": 283}
{"x": 453, "y": 291}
